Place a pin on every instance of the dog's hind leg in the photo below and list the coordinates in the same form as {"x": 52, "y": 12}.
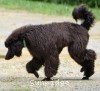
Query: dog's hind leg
{"x": 34, "y": 65}
{"x": 51, "y": 66}
{"x": 83, "y": 57}
{"x": 88, "y": 64}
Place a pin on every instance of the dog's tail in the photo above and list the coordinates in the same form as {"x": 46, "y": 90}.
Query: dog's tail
{"x": 83, "y": 13}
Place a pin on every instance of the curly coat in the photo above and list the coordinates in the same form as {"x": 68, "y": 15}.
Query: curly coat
{"x": 45, "y": 43}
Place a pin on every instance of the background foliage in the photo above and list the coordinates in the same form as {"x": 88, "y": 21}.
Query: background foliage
{"x": 50, "y": 7}
{"x": 91, "y": 3}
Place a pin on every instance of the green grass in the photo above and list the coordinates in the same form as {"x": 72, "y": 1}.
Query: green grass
{"x": 96, "y": 12}
{"x": 37, "y": 7}
{"x": 41, "y": 7}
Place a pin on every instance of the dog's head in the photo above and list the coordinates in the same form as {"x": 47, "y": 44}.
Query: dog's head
{"x": 14, "y": 48}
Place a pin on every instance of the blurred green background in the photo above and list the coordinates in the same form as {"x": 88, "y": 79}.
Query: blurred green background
{"x": 91, "y": 3}
{"x": 50, "y": 7}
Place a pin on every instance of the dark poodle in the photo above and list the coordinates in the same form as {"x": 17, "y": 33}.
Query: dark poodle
{"x": 45, "y": 43}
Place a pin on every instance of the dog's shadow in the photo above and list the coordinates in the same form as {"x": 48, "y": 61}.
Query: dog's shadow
{"x": 66, "y": 79}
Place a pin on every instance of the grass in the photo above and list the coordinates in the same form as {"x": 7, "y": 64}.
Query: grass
{"x": 41, "y": 7}
{"x": 37, "y": 7}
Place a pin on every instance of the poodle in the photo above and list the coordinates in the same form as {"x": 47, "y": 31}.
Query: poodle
{"x": 46, "y": 41}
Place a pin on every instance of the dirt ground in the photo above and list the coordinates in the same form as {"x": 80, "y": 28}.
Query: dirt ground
{"x": 13, "y": 75}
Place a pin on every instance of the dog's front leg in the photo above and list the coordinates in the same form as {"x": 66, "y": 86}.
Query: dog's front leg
{"x": 51, "y": 66}
{"x": 34, "y": 65}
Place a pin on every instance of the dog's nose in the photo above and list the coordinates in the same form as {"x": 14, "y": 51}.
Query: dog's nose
{"x": 7, "y": 57}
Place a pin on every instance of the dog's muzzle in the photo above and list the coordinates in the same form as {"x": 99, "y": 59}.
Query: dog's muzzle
{"x": 9, "y": 54}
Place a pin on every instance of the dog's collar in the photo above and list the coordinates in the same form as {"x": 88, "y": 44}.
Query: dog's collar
{"x": 24, "y": 42}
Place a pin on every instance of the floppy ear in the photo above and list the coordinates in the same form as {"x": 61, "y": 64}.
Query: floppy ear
{"x": 12, "y": 38}
{"x": 18, "y": 48}
{"x": 14, "y": 49}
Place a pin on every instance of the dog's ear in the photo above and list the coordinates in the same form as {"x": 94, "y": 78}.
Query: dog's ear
{"x": 18, "y": 48}
{"x": 14, "y": 49}
{"x": 13, "y": 38}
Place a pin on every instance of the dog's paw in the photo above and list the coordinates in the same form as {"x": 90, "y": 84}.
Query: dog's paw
{"x": 85, "y": 78}
{"x": 36, "y": 74}
{"x": 47, "y": 79}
